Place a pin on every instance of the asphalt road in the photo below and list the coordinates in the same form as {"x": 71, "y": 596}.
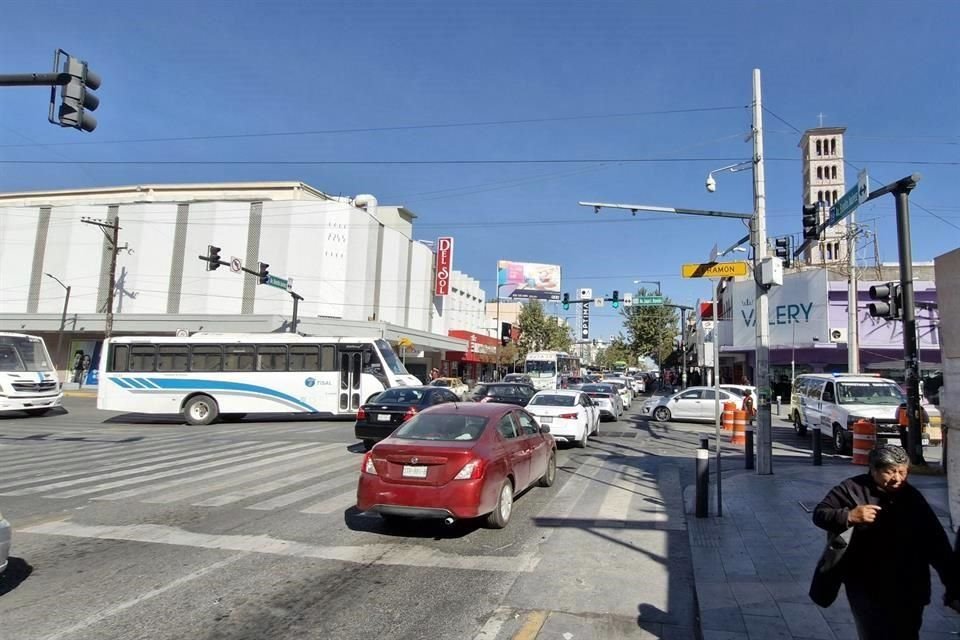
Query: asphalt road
{"x": 128, "y": 528}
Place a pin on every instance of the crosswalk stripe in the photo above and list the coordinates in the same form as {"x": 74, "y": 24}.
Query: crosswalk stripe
{"x": 259, "y": 461}
{"x": 336, "y": 503}
{"x": 616, "y": 501}
{"x": 198, "y": 489}
{"x": 183, "y": 466}
{"x": 122, "y": 469}
{"x": 267, "y": 487}
{"x": 82, "y": 465}
{"x": 287, "y": 499}
{"x": 28, "y": 455}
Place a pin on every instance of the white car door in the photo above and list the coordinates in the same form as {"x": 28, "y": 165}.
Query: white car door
{"x": 687, "y": 404}
{"x": 592, "y": 411}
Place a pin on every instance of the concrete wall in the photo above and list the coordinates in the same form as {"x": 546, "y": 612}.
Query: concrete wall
{"x": 947, "y": 269}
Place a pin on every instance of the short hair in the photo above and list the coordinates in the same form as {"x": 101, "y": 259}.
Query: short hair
{"x": 887, "y": 455}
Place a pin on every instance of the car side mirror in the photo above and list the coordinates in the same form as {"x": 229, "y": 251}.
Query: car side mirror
{"x": 544, "y": 429}
{"x": 596, "y": 403}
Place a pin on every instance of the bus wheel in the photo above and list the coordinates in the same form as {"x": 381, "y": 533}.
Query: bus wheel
{"x": 200, "y": 410}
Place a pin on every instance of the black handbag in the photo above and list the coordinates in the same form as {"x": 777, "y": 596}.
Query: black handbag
{"x": 828, "y": 576}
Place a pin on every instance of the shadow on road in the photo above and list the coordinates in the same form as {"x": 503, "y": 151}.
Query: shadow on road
{"x": 20, "y": 415}
{"x": 17, "y": 571}
{"x": 408, "y": 527}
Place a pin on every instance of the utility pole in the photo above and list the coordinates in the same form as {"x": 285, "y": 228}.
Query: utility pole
{"x": 762, "y": 364}
{"x": 853, "y": 313}
{"x": 114, "y": 239}
{"x": 63, "y": 319}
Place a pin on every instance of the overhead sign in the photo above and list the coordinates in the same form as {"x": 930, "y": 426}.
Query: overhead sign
{"x": 715, "y": 270}
{"x": 598, "y": 302}
{"x": 628, "y": 299}
{"x": 648, "y": 300}
{"x": 851, "y": 199}
{"x": 529, "y": 280}
{"x": 586, "y": 294}
{"x": 585, "y": 320}
{"x": 235, "y": 265}
{"x": 441, "y": 286}
{"x": 279, "y": 283}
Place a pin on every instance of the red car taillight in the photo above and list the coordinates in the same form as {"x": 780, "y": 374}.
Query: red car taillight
{"x": 473, "y": 470}
{"x": 568, "y": 416}
{"x": 367, "y": 466}
{"x": 412, "y": 411}
{"x": 361, "y": 414}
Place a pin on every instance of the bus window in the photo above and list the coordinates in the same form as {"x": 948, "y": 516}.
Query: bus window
{"x": 143, "y": 357}
{"x": 305, "y": 357}
{"x": 328, "y": 358}
{"x": 206, "y": 357}
{"x": 119, "y": 357}
{"x": 271, "y": 357}
{"x": 173, "y": 357}
{"x": 238, "y": 357}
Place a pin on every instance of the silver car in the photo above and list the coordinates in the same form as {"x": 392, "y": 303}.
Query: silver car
{"x": 694, "y": 403}
{"x": 5, "y": 536}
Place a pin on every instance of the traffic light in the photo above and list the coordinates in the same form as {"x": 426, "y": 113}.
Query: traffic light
{"x": 781, "y": 249}
{"x": 887, "y": 302}
{"x": 78, "y": 97}
{"x": 213, "y": 258}
{"x": 264, "y": 274}
{"x": 615, "y": 300}
{"x": 566, "y": 301}
{"x": 811, "y": 222}
{"x": 505, "y": 328}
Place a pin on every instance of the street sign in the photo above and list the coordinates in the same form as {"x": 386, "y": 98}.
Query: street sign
{"x": 289, "y": 284}
{"x": 715, "y": 270}
{"x": 863, "y": 186}
{"x": 279, "y": 283}
{"x": 586, "y": 294}
{"x": 235, "y": 265}
{"x": 628, "y": 299}
{"x": 850, "y": 200}
{"x": 598, "y": 302}
{"x": 585, "y": 320}
{"x": 648, "y": 300}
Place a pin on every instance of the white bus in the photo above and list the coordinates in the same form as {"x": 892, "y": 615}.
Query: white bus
{"x": 549, "y": 369}
{"x": 206, "y": 376}
{"x": 28, "y": 379}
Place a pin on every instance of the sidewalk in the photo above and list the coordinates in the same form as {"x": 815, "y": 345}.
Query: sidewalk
{"x": 74, "y": 390}
{"x": 752, "y": 567}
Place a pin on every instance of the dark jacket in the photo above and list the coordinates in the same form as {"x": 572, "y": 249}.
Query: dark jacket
{"x": 888, "y": 559}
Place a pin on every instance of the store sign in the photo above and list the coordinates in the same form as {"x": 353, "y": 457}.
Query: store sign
{"x": 441, "y": 286}
{"x": 798, "y": 311}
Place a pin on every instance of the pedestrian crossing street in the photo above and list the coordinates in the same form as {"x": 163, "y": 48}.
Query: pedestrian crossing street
{"x": 200, "y": 469}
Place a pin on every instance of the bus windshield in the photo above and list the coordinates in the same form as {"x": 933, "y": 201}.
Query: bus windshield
{"x": 541, "y": 368}
{"x": 23, "y": 354}
{"x": 389, "y": 357}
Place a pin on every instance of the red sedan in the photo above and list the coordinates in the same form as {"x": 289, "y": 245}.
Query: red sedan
{"x": 457, "y": 461}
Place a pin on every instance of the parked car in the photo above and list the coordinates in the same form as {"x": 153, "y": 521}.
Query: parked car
{"x": 518, "y": 377}
{"x": 572, "y": 415}
{"x": 383, "y": 413}
{"x": 740, "y": 390}
{"x": 571, "y": 382}
{"x": 607, "y": 398}
{"x": 458, "y": 462}
{"x": 456, "y": 385}
{"x": 505, "y": 392}
{"x": 5, "y": 540}
{"x": 694, "y": 403}
{"x": 623, "y": 388}
{"x": 638, "y": 384}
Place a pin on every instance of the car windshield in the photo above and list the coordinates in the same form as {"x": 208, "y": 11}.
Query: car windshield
{"x": 598, "y": 388}
{"x": 393, "y": 362}
{"x": 442, "y": 426}
{"x": 554, "y": 400}
{"x": 883, "y": 393}
{"x": 441, "y": 383}
{"x": 23, "y": 354}
{"x": 515, "y": 377}
{"x": 734, "y": 390}
{"x": 400, "y": 395}
{"x": 541, "y": 368}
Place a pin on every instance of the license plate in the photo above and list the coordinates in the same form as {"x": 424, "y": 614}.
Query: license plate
{"x": 383, "y": 417}
{"x": 410, "y": 471}
{"x": 546, "y": 419}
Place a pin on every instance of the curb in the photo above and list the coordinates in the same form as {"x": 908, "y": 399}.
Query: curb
{"x": 76, "y": 393}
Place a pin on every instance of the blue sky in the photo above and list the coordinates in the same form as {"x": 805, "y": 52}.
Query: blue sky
{"x": 667, "y": 83}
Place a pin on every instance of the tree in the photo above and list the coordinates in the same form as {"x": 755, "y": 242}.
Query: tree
{"x": 540, "y": 332}
{"x": 651, "y": 330}
{"x": 617, "y": 351}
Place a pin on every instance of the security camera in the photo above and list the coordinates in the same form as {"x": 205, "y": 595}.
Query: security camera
{"x": 711, "y": 183}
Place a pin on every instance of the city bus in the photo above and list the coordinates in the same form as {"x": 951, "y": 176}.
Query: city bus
{"x": 548, "y": 369}
{"x": 28, "y": 379}
{"x": 227, "y": 376}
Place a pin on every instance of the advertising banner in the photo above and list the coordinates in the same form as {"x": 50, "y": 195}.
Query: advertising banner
{"x": 528, "y": 280}
{"x": 441, "y": 286}
{"x": 799, "y": 311}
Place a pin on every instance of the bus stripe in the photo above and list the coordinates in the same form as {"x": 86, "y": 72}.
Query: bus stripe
{"x": 211, "y": 385}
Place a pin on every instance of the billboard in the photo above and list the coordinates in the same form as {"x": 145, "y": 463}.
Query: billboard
{"x": 798, "y": 311}
{"x": 441, "y": 285}
{"x": 528, "y": 280}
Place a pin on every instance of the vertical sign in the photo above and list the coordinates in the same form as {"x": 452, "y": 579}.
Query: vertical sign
{"x": 441, "y": 286}
{"x": 585, "y": 320}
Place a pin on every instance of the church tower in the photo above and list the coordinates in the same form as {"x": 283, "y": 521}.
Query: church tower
{"x": 823, "y": 181}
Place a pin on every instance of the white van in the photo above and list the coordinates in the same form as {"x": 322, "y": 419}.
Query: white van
{"x": 836, "y": 400}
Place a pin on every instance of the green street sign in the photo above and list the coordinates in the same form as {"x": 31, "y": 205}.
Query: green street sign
{"x": 279, "y": 283}
{"x": 647, "y": 300}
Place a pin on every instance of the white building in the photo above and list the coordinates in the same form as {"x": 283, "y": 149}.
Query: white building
{"x": 355, "y": 263}
{"x": 464, "y": 308}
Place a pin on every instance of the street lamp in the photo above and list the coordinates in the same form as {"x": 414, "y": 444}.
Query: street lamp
{"x": 63, "y": 317}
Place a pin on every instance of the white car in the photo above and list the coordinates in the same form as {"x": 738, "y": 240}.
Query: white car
{"x": 571, "y": 414}
{"x": 5, "y": 536}
{"x": 623, "y": 388}
{"x": 694, "y": 403}
{"x": 638, "y": 384}
{"x": 740, "y": 389}
{"x": 607, "y": 399}
{"x": 456, "y": 385}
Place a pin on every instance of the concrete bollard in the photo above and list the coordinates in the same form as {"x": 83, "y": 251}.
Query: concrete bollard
{"x": 817, "y": 445}
{"x": 778, "y": 405}
{"x": 703, "y": 483}
{"x": 748, "y": 446}
{"x": 704, "y": 441}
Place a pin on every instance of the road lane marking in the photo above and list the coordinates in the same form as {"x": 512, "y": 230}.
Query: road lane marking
{"x": 531, "y": 626}
{"x": 153, "y": 593}
{"x": 491, "y": 628}
{"x": 267, "y": 487}
{"x": 412, "y": 555}
{"x": 287, "y": 499}
{"x": 336, "y": 503}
